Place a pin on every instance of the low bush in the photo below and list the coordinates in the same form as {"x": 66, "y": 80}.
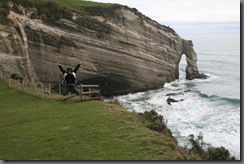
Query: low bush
{"x": 212, "y": 153}
{"x": 17, "y": 76}
{"x": 154, "y": 121}
{"x": 3, "y": 13}
{"x": 219, "y": 153}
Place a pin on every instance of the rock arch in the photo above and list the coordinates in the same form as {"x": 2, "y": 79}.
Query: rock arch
{"x": 191, "y": 59}
{"x": 181, "y": 62}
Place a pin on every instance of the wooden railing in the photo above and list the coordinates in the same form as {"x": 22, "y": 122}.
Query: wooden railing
{"x": 89, "y": 92}
{"x": 45, "y": 90}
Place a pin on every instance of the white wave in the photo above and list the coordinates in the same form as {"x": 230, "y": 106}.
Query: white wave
{"x": 218, "y": 121}
{"x": 219, "y": 124}
{"x": 170, "y": 86}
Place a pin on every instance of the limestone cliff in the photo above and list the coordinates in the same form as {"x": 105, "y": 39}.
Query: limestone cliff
{"x": 120, "y": 49}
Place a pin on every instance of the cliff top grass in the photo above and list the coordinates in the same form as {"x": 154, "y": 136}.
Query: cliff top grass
{"x": 50, "y": 11}
{"x": 53, "y": 10}
{"x": 72, "y": 4}
{"x": 37, "y": 129}
{"x": 82, "y": 7}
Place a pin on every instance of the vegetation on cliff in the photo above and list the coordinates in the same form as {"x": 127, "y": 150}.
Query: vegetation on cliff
{"x": 3, "y": 13}
{"x": 52, "y": 11}
{"x": 211, "y": 153}
{"x": 85, "y": 8}
{"x": 56, "y": 9}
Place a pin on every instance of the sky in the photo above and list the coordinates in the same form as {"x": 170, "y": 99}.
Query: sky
{"x": 190, "y": 16}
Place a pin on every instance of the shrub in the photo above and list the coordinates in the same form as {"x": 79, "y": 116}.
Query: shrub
{"x": 219, "y": 153}
{"x": 108, "y": 11}
{"x": 212, "y": 153}
{"x": 4, "y": 11}
{"x": 51, "y": 12}
{"x": 17, "y": 76}
{"x": 48, "y": 11}
{"x": 25, "y": 3}
{"x": 154, "y": 121}
{"x": 196, "y": 146}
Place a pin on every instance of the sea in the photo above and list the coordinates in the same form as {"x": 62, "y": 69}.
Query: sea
{"x": 210, "y": 107}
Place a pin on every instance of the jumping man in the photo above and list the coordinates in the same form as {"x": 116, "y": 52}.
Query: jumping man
{"x": 70, "y": 79}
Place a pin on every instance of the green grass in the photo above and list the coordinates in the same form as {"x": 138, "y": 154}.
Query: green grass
{"x": 37, "y": 129}
{"x": 78, "y": 6}
{"x": 82, "y": 6}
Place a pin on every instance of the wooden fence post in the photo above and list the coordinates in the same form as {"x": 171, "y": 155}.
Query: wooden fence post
{"x": 32, "y": 87}
{"x": 89, "y": 90}
{"x": 59, "y": 90}
{"x": 81, "y": 93}
{"x": 19, "y": 85}
{"x": 35, "y": 88}
{"x": 22, "y": 85}
{"x": 89, "y": 95}
{"x": 27, "y": 87}
{"x": 9, "y": 82}
{"x": 42, "y": 92}
{"x": 50, "y": 89}
{"x": 22, "y": 88}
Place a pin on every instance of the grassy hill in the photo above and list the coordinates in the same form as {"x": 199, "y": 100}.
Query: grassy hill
{"x": 37, "y": 129}
{"x": 82, "y": 7}
{"x": 51, "y": 11}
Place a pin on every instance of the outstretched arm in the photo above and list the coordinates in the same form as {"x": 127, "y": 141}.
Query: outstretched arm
{"x": 61, "y": 68}
{"x": 76, "y": 68}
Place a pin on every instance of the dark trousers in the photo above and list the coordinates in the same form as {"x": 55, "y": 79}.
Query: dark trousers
{"x": 72, "y": 88}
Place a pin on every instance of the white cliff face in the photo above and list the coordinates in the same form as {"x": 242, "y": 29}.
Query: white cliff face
{"x": 127, "y": 53}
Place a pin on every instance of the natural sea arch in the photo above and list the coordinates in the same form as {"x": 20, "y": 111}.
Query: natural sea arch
{"x": 182, "y": 64}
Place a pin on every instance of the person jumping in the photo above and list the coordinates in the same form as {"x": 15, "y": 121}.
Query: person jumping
{"x": 69, "y": 80}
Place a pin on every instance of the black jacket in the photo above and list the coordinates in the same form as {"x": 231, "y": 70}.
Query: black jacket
{"x": 69, "y": 78}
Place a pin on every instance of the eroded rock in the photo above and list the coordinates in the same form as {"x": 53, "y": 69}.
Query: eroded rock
{"x": 124, "y": 53}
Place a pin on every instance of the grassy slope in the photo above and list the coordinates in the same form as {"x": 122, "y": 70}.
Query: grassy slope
{"x": 78, "y": 4}
{"x": 75, "y": 5}
{"x": 33, "y": 128}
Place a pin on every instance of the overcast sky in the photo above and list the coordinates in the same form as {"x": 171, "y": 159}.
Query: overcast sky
{"x": 190, "y": 16}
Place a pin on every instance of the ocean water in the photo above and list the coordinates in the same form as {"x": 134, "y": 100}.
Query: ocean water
{"x": 212, "y": 106}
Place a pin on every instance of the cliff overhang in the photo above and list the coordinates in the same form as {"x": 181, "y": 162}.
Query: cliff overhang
{"x": 120, "y": 49}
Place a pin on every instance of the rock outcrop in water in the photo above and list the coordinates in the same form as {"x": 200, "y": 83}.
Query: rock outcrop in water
{"x": 120, "y": 49}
